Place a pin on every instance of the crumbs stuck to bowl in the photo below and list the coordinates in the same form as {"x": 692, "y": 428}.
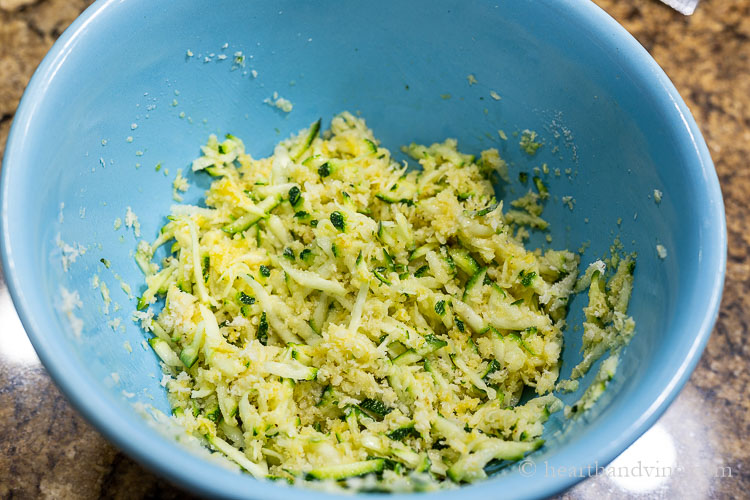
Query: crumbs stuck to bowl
{"x": 93, "y": 163}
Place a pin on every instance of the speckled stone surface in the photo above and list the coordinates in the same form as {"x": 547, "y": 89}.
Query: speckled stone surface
{"x": 48, "y": 451}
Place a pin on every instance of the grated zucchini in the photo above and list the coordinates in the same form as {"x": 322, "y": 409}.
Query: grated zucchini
{"x": 385, "y": 321}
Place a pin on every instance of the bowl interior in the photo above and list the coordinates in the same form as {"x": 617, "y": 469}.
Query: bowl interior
{"x": 610, "y": 121}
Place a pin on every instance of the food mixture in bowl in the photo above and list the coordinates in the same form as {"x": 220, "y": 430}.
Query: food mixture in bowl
{"x": 331, "y": 315}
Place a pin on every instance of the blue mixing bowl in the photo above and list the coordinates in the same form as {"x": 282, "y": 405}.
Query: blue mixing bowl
{"x": 123, "y": 70}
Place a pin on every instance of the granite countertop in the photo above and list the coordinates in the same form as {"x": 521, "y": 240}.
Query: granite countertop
{"x": 48, "y": 451}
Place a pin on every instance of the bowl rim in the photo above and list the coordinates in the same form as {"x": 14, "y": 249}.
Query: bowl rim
{"x": 194, "y": 473}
